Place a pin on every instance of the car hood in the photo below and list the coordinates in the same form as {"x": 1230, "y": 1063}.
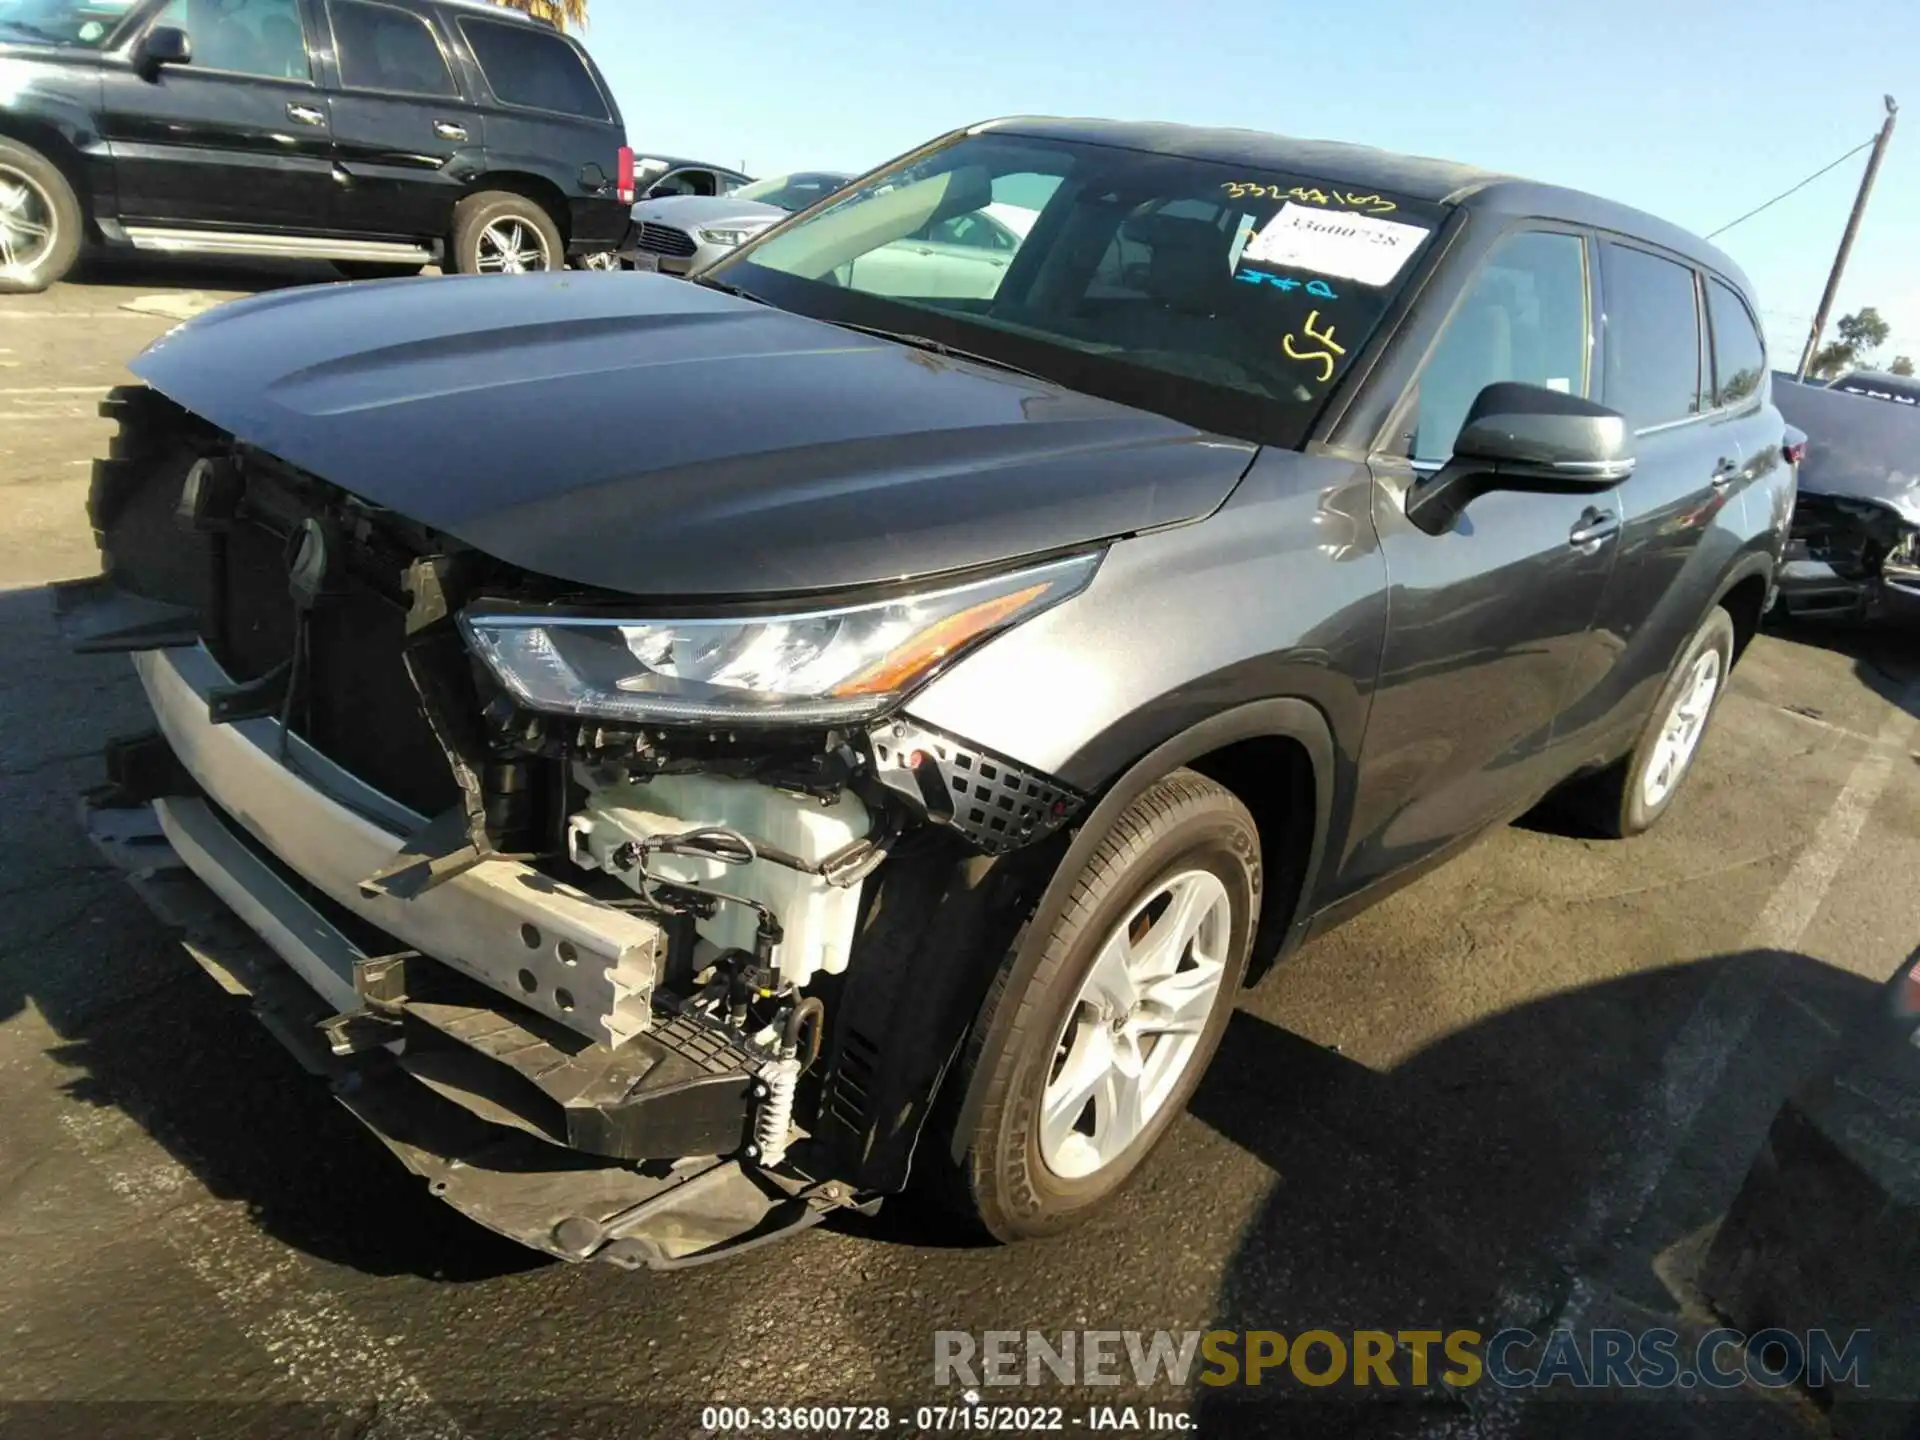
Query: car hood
{"x": 686, "y": 211}
{"x": 652, "y": 436}
{"x": 1858, "y": 448}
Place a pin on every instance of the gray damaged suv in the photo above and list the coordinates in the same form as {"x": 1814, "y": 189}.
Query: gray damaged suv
{"x": 901, "y": 758}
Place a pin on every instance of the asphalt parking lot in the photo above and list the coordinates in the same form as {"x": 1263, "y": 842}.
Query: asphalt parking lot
{"x": 1522, "y": 1089}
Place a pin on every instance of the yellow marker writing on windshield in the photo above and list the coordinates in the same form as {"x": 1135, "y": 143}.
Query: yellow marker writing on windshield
{"x": 1325, "y": 338}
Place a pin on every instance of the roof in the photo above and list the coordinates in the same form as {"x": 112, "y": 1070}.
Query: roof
{"x": 501, "y": 12}
{"x": 1415, "y": 177}
{"x": 1881, "y": 380}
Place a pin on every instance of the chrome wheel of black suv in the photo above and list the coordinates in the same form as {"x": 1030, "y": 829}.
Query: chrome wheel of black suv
{"x": 39, "y": 221}
{"x": 497, "y": 233}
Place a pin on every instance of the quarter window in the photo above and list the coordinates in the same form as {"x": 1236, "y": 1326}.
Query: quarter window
{"x": 253, "y": 37}
{"x": 1524, "y": 319}
{"x": 381, "y": 47}
{"x": 535, "y": 68}
{"x": 1653, "y": 337}
{"x": 1739, "y": 355}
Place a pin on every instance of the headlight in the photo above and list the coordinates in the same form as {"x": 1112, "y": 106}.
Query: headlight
{"x": 731, "y": 235}
{"x": 821, "y": 666}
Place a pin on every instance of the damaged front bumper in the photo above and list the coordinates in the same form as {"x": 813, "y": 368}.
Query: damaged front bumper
{"x": 559, "y": 1120}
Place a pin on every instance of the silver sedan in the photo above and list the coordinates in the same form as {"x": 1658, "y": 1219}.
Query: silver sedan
{"x": 679, "y": 234}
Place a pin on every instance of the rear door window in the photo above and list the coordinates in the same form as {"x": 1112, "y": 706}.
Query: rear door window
{"x": 534, "y": 68}
{"x": 1524, "y": 318}
{"x": 1739, "y": 355}
{"x": 1653, "y": 337}
{"x": 382, "y": 47}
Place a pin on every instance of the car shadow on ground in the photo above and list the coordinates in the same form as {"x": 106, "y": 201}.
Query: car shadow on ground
{"x": 134, "y": 271}
{"x": 1549, "y": 1151}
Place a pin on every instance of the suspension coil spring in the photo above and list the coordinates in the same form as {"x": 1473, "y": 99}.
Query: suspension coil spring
{"x": 781, "y": 1078}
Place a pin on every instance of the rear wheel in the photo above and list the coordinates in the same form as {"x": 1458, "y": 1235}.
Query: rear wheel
{"x": 1631, "y": 796}
{"x": 1076, "y": 1073}
{"x": 40, "y": 221}
{"x": 500, "y": 233}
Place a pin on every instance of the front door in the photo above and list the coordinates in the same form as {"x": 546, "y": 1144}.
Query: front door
{"x": 1486, "y": 620}
{"x": 407, "y": 141}
{"x": 238, "y": 138}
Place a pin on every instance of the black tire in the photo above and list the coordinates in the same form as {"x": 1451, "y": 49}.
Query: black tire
{"x": 374, "y": 270}
{"x": 995, "y": 1171}
{"x": 1614, "y": 803}
{"x": 34, "y": 193}
{"x": 501, "y": 208}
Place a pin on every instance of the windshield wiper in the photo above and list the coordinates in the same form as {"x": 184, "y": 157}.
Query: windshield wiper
{"x": 937, "y": 347}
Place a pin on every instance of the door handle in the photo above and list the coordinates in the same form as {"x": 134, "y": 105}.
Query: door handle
{"x": 1593, "y": 527}
{"x": 306, "y": 115}
{"x": 447, "y": 130}
{"x": 1724, "y": 473}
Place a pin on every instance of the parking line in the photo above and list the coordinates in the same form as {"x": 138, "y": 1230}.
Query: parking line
{"x": 55, "y": 389}
{"x": 304, "y": 1329}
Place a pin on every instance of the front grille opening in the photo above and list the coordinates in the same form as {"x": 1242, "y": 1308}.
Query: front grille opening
{"x": 665, "y": 239}
{"x": 359, "y": 707}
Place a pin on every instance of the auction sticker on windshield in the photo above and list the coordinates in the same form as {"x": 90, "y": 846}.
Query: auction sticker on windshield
{"x": 1338, "y": 243}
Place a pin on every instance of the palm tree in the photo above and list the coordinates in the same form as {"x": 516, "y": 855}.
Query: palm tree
{"x": 558, "y": 12}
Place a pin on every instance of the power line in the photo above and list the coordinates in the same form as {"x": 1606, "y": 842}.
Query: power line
{"x": 1801, "y": 186}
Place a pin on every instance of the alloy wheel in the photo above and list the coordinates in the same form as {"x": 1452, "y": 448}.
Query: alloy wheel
{"x": 1136, "y": 1023}
{"x": 1680, "y": 732}
{"x": 28, "y": 229}
{"x": 511, "y": 246}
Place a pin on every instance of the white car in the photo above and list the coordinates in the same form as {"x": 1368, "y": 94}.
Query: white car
{"x": 961, "y": 258}
{"x": 681, "y": 233}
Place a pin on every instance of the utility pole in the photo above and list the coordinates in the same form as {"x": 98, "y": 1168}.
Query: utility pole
{"x": 1846, "y": 239}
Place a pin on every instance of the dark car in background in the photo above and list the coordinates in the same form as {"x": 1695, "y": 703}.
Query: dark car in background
{"x": 899, "y": 761}
{"x": 1855, "y": 546}
{"x": 381, "y": 135}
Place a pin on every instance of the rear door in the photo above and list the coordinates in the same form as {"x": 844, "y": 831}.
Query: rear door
{"x": 548, "y": 115}
{"x": 406, "y": 139}
{"x": 1698, "y": 443}
{"x": 238, "y": 139}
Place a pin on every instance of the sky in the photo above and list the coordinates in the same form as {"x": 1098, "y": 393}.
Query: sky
{"x": 1695, "y": 110}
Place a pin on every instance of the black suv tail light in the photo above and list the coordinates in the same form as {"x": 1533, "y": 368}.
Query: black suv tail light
{"x": 626, "y": 175}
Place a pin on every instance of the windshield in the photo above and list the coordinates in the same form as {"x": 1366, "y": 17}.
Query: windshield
{"x": 790, "y": 192}
{"x": 64, "y": 22}
{"x": 1231, "y": 298}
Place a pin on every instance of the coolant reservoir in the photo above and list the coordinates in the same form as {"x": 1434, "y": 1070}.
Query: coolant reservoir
{"x": 816, "y": 918}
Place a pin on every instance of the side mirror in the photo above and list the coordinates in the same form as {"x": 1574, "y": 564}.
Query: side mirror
{"x": 1525, "y": 437}
{"x": 163, "y": 45}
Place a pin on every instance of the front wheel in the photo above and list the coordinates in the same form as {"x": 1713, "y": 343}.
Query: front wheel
{"x": 499, "y": 233}
{"x": 40, "y": 221}
{"x": 1076, "y": 1073}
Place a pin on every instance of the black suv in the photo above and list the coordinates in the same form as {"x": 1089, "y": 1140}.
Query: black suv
{"x": 382, "y": 135}
{"x": 903, "y": 756}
